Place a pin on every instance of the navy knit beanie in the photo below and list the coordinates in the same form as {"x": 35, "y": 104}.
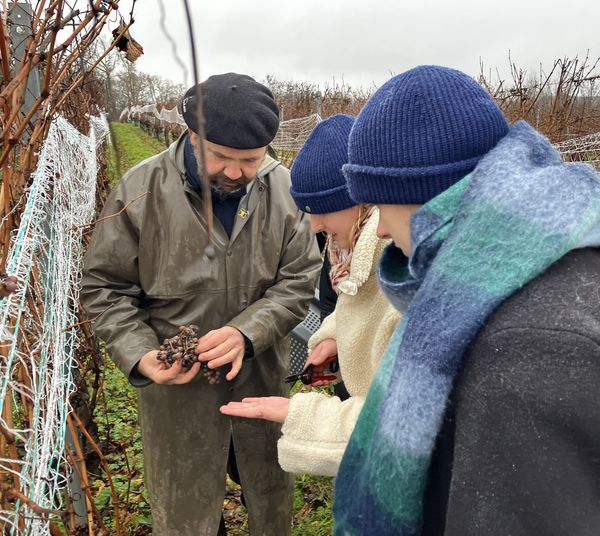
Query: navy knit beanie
{"x": 418, "y": 134}
{"x": 318, "y": 184}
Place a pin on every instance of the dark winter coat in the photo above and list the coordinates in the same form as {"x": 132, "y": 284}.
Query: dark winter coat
{"x": 519, "y": 451}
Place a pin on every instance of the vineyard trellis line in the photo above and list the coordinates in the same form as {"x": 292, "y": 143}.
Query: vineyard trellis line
{"x": 36, "y": 375}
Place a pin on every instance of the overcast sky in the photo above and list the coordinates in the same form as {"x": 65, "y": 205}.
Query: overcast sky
{"x": 363, "y": 42}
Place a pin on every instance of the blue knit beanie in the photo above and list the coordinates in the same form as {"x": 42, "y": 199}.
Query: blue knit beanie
{"x": 318, "y": 184}
{"x": 418, "y": 134}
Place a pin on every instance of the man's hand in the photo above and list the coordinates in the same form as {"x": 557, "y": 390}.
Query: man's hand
{"x": 320, "y": 353}
{"x": 160, "y": 372}
{"x": 222, "y": 346}
{"x": 269, "y": 408}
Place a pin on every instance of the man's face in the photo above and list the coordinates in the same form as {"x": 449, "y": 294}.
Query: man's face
{"x": 228, "y": 169}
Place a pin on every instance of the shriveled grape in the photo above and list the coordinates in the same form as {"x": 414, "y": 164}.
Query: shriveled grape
{"x": 8, "y": 284}
{"x": 181, "y": 348}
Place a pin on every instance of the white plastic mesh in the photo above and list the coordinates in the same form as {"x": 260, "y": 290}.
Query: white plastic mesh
{"x": 164, "y": 115}
{"x": 290, "y": 137}
{"x": 293, "y": 133}
{"x": 100, "y": 129}
{"x": 584, "y": 148}
{"x": 47, "y": 248}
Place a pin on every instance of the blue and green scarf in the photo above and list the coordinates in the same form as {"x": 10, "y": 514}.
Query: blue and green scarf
{"x": 474, "y": 245}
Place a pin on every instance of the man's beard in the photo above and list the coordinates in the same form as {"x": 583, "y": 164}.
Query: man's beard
{"x": 222, "y": 185}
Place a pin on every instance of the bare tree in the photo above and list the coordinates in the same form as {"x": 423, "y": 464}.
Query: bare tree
{"x": 562, "y": 102}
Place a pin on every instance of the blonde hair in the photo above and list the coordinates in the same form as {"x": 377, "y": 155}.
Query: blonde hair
{"x": 364, "y": 212}
{"x": 343, "y": 263}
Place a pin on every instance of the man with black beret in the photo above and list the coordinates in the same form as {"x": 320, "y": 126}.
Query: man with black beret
{"x": 146, "y": 274}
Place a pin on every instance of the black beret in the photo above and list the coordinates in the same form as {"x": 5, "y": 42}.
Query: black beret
{"x": 238, "y": 111}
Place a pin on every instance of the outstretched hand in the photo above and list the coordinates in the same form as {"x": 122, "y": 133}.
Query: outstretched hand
{"x": 269, "y": 408}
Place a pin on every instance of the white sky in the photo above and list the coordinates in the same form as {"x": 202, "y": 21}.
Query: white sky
{"x": 364, "y": 41}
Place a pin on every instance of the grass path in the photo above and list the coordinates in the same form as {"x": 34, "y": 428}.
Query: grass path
{"x": 130, "y": 145}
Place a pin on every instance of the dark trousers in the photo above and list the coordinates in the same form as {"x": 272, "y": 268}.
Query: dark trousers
{"x": 234, "y": 474}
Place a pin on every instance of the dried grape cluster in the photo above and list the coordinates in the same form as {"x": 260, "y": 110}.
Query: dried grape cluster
{"x": 181, "y": 348}
{"x": 8, "y": 284}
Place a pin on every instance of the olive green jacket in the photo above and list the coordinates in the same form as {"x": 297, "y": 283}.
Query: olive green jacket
{"x": 145, "y": 274}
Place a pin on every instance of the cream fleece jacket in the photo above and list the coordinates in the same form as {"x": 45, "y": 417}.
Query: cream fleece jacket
{"x": 318, "y": 427}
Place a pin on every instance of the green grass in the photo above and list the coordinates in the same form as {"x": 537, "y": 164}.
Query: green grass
{"x": 117, "y": 419}
{"x": 130, "y": 145}
{"x": 120, "y": 440}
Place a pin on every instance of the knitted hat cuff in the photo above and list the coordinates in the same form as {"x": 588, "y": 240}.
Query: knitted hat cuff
{"x": 323, "y": 202}
{"x": 380, "y": 185}
{"x": 318, "y": 184}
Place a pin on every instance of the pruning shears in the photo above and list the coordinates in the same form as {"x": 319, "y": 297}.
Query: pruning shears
{"x": 309, "y": 375}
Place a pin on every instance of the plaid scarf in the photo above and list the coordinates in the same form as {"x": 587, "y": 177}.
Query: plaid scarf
{"x": 474, "y": 245}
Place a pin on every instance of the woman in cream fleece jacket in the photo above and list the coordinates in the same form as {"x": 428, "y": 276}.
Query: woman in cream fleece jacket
{"x": 316, "y": 426}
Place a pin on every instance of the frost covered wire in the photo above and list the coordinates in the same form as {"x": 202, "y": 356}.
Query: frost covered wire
{"x": 37, "y": 352}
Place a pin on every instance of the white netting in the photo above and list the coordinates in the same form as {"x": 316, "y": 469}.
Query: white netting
{"x": 100, "y": 129}
{"x": 584, "y": 148}
{"x": 290, "y": 137}
{"x": 164, "y": 115}
{"x": 47, "y": 247}
{"x": 293, "y": 133}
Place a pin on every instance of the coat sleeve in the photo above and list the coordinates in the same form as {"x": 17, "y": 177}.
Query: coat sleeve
{"x": 285, "y": 303}
{"x": 527, "y": 436}
{"x": 111, "y": 291}
{"x": 316, "y": 432}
